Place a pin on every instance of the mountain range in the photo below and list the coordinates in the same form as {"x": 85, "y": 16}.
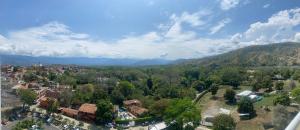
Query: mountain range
{"x": 277, "y": 54}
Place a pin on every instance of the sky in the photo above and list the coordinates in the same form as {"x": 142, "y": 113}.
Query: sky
{"x": 144, "y": 29}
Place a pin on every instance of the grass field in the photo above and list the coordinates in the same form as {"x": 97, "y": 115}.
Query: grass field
{"x": 266, "y": 101}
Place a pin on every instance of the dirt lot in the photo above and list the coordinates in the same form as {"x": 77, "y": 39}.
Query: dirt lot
{"x": 211, "y": 106}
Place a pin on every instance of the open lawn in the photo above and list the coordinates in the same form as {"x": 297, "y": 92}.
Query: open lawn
{"x": 266, "y": 101}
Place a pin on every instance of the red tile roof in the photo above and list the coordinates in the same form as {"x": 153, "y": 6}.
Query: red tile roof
{"x": 88, "y": 108}
{"x": 69, "y": 111}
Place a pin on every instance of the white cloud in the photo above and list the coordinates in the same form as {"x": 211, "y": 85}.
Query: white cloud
{"x": 171, "y": 41}
{"x": 219, "y": 26}
{"x": 297, "y": 37}
{"x": 266, "y": 6}
{"x": 278, "y": 28}
{"x": 228, "y": 4}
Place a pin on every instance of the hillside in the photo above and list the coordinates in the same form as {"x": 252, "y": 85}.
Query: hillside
{"x": 29, "y": 60}
{"x": 279, "y": 54}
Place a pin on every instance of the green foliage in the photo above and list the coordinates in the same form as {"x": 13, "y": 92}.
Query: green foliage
{"x": 126, "y": 88}
{"x": 30, "y": 76}
{"x": 26, "y": 124}
{"x": 282, "y": 99}
{"x": 104, "y": 113}
{"x": 182, "y": 111}
{"x": 279, "y": 85}
{"x": 295, "y": 92}
{"x": 83, "y": 93}
{"x": 27, "y": 96}
{"x": 53, "y": 105}
{"x": 223, "y": 122}
{"x": 229, "y": 95}
{"x": 246, "y": 106}
{"x": 262, "y": 80}
{"x": 157, "y": 108}
{"x": 214, "y": 89}
{"x": 231, "y": 76}
{"x": 199, "y": 85}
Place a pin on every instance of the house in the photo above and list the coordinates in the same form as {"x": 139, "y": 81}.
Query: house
{"x": 137, "y": 111}
{"x": 87, "y": 112}
{"x": 133, "y": 102}
{"x": 48, "y": 93}
{"x": 245, "y": 93}
{"x": 135, "y": 107}
{"x": 69, "y": 112}
{"x": 19, "y": 86}
{"x": 45, "y": 102}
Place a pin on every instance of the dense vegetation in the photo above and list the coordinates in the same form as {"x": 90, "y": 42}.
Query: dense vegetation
{"x": 168, "y": 91}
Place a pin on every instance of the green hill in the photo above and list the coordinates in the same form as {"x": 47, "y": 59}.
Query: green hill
{"x": 279, "y": 54}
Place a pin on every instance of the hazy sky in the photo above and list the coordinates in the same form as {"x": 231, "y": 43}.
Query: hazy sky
{"x": 144, "y": 29}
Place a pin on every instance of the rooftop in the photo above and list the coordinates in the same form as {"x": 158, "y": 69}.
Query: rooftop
{"x": 88, "y": 108}
{"x": 244, "y": 93}
{"x": 129, "y": 102}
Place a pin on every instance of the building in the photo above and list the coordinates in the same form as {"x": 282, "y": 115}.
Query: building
{"x": 69, "y": 112}
{"x": 249, "y": 94}
{"x": 137, "y": 111}
{"x": 45, "y": 102}
{"x": 135, "y": 107}
{"x": 87, "y": 112}
{"x": 245, "y": 93}
{"x": 48, "y": 93}
{"x": 133, "y": 102}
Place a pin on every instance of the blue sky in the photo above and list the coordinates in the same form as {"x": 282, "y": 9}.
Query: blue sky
{"x": 143, "y": 29}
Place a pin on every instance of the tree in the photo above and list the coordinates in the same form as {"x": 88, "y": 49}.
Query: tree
{"x": 99, "y": 94}
{"x": 53, "y": 105}
{"x": 199, "y": 85}
{"x": 246, "y": 106}
{"x": 117, "y": 97}
{"x": 281, "y": 117}
{"x": 223, "y": 122}
{"x": 149, "y": 83}
{"x": 231, "y": 76}
{"x": 104, "y": 113}
{"x": 158, "y": 108}
{"x": 182, "y": 113}
{"x": 230, "y": 95}
{"x": 214, "y": 89}
{"x": 282, "y": 99}
{"x": 30, "y": 76}
{"x": 66, "y": 97}
{"x": 126, "y": 88}
{"x": 295, "y": 92}
{"x": 27, "y": 96}
{"x": 279, "y": 85}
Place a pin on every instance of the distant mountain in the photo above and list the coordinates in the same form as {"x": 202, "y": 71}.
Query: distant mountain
{"x": 279, "y": 54}
{"x": 29, "y": 60}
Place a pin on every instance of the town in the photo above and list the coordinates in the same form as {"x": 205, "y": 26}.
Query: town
{"x": 81, "y": 98}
